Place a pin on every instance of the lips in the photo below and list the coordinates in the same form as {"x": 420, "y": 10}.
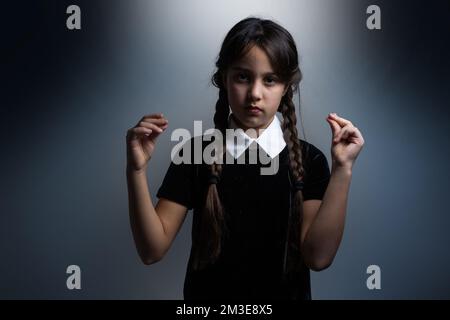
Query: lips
{"x": 255, "y": 108}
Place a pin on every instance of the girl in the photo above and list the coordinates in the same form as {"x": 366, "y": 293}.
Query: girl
{"x": 253, "y": 235}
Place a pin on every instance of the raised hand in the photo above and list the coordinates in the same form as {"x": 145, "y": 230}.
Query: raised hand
{"x": 141, "y": 140}
{"x": 347, "y": 141}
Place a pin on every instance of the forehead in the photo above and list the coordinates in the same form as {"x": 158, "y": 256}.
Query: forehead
{"x": 255, "y": 60}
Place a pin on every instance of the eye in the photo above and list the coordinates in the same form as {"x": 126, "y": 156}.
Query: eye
{"x": 271, "y": 80}
{"x": 242, "y": 76}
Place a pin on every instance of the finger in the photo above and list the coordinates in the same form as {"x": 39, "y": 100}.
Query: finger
{"x": 358, "y": 133}
{"x": 149, "y": 125}
{"x": 341, "y": 121}
{"x": 343, "y": 131}
{"x": 335, "y": 127}
{"x": 358, "y": 136}
{"x": 159, "y": 122}
{"x": 138, "y": 132}
{"x": 346, "y": 132}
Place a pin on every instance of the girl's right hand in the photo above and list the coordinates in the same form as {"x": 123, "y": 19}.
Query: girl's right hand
{"x": 141, "y": 140}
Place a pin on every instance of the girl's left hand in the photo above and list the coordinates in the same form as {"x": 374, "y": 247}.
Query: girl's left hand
{"x": 347, "y": 141}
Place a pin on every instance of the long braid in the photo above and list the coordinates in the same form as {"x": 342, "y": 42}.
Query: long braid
{"x": 290, "y": 130}
{"x": 212, "y": 227}
{"x": 287, "y": 109}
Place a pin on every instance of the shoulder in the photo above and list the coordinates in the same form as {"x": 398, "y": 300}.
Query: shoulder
{"x": 316, "y": 171}
{"x": 310, "y": 152}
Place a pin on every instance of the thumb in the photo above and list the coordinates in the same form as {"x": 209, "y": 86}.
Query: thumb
{"x": 335, "y": 128}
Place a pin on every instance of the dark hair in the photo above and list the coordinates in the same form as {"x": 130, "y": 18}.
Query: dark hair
{"x": 280, "y": 47}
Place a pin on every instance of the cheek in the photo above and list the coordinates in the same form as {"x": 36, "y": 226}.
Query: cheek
{"x": 236, "y": 93}
{"x": 275, "y": 99}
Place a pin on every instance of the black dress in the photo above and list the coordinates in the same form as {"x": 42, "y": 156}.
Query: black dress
{"x": 256, "y": 207}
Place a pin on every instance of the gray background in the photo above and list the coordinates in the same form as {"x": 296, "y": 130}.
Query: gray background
{"x": 68, "y": 98}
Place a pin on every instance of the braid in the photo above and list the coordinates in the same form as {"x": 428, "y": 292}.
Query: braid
{"x": 209, "y": 243}
{"x": 290, "y": 130}
{"x": 287, "y": 109}
{"x": 222, "y": 112}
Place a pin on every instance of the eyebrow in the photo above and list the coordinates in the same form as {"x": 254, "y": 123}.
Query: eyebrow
{"x": 248, "y": 70}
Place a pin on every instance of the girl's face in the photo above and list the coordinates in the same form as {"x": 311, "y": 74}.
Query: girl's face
{"x": 251, "y": 81}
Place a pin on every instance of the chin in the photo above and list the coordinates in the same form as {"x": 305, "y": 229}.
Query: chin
{"x": 251, "y": 122}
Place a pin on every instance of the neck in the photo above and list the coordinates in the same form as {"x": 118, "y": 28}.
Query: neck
{"x": 256, "y": 130}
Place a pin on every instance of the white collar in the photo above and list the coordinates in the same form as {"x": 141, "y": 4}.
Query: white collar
{"x": 271, "y": 139}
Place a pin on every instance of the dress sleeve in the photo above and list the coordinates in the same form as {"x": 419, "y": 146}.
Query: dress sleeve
{"x": 317, "y": 174}
{"x": 179, "y": 182}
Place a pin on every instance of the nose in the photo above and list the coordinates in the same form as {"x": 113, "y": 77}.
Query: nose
{"x": 255, "y": 91}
